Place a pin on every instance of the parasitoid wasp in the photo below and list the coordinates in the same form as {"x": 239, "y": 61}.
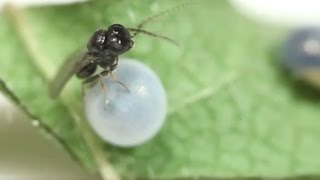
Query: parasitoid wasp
{"x": 103, "y": 50}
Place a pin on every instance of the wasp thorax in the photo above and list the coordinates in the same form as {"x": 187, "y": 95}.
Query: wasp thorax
{"x": 97, "y": 41}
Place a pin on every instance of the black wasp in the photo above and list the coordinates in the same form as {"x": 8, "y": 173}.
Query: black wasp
{"x": 103, "y": 50}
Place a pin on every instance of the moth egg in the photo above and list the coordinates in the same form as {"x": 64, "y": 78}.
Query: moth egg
{"x": 127, "y": 118}
{"x": 301, "y": 54}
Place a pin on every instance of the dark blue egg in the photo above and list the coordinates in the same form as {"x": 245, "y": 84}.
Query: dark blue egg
{"x": 301, "y": 54}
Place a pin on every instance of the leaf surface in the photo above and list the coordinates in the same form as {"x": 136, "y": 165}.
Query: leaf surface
{"x": 231, "y": 112}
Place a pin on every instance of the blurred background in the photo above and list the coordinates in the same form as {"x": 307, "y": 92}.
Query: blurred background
{"x": 28, "y": 153}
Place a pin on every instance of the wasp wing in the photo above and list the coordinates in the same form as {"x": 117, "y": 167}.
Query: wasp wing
{"x": 71, "y": 66}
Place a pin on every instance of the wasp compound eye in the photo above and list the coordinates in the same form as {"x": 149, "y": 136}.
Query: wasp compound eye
{"x": 301, "y": 54}
{"x": 133, "y": 117}
{"x": 119, "y": 39}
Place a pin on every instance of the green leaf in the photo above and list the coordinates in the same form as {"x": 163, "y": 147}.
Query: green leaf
{"x": 231, "y": 113}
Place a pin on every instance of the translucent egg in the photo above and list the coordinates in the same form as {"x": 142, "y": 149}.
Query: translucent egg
{"x": 128, "y": 118}
{"x": 301, "y": 54}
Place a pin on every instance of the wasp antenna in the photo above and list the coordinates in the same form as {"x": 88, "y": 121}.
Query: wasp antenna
{"x": 154, "y": 35}
{"x": 162, "y": 13}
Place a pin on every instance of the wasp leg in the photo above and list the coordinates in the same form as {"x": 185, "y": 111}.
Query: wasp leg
{"x": 114, "y": 78}
{"x": 105, "y": 91}
{"x": 93, "y": 80}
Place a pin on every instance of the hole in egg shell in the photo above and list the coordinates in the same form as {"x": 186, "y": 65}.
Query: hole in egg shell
{"x": 132, "y": 118}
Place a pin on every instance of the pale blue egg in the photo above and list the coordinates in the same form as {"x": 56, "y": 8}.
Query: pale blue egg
{"x": 130, "y": 118}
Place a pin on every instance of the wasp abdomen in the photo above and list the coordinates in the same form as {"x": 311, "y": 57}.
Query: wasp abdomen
{"x": 87, "y": 71}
